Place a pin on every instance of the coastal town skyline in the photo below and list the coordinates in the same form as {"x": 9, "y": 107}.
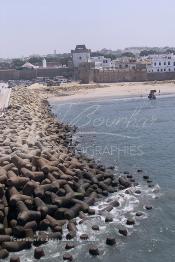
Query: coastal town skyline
{"x": 135, "y": 50}
{"x": 41, "y": 27}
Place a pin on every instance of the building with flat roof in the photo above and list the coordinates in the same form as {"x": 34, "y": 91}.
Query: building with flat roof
{"x": 100, "y": 62}
{"x": 161, "y": 63}
{"x": 80, "y": 55}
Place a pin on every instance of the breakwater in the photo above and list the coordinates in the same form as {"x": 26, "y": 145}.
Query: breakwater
{"x": 44, "y": 183}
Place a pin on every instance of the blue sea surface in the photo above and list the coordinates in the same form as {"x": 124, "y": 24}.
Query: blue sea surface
{"x": 133, "y": 134}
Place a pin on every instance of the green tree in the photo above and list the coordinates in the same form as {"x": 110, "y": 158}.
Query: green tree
{"x": 4, "y": 65}
{"x": 170, "y": 51}
{"x": 64, "y": 61}
{"x": 96, "y": 54}
{"x": 148, "y": 52}
{"x": 128, "y": 54}
{"x": 35, "y": 59}
{"x": 16, "y": 63}
{"x": 113, "y": 57}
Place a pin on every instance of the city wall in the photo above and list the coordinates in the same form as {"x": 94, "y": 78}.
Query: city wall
{"x": 86, "y": 75}
{"x": 29, "y": 74}
{"x": 161, "y": 76}
{"x": 111, "y": 76}
{"x": 9, "y": 75}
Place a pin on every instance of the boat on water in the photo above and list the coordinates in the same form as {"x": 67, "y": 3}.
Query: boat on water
{"x": 152, "y": 95}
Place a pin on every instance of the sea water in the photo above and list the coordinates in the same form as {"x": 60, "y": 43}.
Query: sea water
{"x": 132, "y": 133}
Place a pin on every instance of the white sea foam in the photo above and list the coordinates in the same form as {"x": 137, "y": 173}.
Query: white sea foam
{"x": 130, "y": 204}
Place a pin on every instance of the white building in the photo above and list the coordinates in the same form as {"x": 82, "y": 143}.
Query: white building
{"x": 44, "y": 63}
{"x": 101, "y": 62}
{"x": 80, "y": 55}
{"x": 161, "y": 63}
{"x": 124, "y": 63}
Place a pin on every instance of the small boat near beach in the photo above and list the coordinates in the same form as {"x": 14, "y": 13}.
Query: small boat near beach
{"x": 151, "y": 95}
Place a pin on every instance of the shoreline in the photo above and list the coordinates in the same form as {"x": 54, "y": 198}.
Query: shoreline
{"x": 118, "y": 91}
{"x": 43, "y": 180}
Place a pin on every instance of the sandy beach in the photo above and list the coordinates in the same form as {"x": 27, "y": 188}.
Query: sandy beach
{"x": 116, "y": 90}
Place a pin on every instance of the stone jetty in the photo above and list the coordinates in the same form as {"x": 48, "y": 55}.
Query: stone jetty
{"x": 44, "y": 184}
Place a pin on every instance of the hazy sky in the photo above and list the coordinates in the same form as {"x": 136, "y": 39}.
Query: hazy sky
{"x": 40, "y": 26}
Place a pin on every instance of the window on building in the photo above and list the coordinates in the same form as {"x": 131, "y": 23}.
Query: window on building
{"x": 174, "y": 63}
{"x": 169, "y": 70}
{"x": 169, "y": 63}
{"x": 155, "y": 63}
{"x": 157, "y": 70}
{"x": 80, "y": 57}
{"x": 164, "y": 63}
{"x": 161, "y": 70}
{"x": 160, "y": 63}
{"x": 165, "y": 70}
